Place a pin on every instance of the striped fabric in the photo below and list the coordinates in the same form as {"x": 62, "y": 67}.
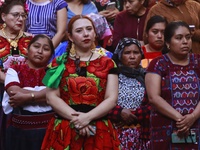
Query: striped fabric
{"x": 42, "y": 16}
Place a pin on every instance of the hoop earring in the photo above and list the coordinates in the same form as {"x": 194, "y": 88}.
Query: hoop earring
{"x": 72, "y": 52}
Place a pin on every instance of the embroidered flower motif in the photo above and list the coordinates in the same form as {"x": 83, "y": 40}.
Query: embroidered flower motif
{"x": 23, "y": 44}
{"x": 83, "y": 90}
{"x": 4, "y": 47}
{"x": 101, "y": 68}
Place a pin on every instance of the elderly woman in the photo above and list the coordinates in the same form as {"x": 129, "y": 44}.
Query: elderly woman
{"x": 13, "y": 45}
{"x": 172, "y": 83}
{"x": 25, "y": 97}
{"x": 132, "y": 102}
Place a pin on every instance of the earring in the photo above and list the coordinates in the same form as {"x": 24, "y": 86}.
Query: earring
{"x": 93, "y": 47}
{"x": 72, "y": 52}
{"x": 168, "y": 47}
{"x": 4, "y": 25}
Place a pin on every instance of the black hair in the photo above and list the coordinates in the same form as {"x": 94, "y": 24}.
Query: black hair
{"x": 36, "y": 37}
{"x": 9, "y": 4}
{"x": 153, "y": 20}
{"x": 170, "y": 30}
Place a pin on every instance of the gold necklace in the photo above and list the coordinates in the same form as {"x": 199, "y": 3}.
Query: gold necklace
{"x": 14, "y": 42}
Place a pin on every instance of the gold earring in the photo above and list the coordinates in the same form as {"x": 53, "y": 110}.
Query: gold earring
{"x": 93, "y": 47}
{"x": 168, "y": 47}
{"x": 72, "y": 52}
{"x": 4, "y": 25}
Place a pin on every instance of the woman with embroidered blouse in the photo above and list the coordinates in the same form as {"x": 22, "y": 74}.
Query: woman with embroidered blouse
{"x": 25, "y": 97}
{"x": 13, "y": 46}
{"x": 79, "y": 93}
{"x": 172, "y": 83}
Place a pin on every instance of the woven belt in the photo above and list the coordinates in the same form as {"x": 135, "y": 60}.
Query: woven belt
{"x": 132, "y": 126}
{"x": 31, "y": 121}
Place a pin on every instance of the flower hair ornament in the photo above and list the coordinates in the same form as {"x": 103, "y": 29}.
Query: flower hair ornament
{"x": 1, "y": 2}
{"x": 26, "y": 8}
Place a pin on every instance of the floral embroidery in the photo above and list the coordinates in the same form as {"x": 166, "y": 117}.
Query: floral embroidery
{"x": 6, "y": 55}
{"x": 102, "y": 68}
{"x": 4, "y": 47}
{"x": 23, "y": 44}
{"x": 83, "y": 90}
{"x": 88, "y": 90}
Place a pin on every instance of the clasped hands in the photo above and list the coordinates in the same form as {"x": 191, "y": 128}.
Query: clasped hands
{"x": 184, "y": 124}
{"x": 127, "y": 118}
{"x": 81, "y": 122}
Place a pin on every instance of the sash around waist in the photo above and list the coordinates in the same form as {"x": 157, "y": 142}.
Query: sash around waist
{"x": 81, "y": 108}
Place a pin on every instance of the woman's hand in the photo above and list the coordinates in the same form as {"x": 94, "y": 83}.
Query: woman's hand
{"x": 86, "y": 131}
{"x": 185, "y": 124}
{"x": 128, "y": 116}
{"x": 18, "y": 99}
{"x": 80, "y": 120}
{"x": 109, "y": 14}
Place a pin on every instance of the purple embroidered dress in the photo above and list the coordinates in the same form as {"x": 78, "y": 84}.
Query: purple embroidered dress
{"x": 180, "y": 88}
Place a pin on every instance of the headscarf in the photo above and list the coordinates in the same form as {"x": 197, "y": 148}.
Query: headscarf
{"x": 138, "y": 73}
{"x": 126, "y": 42}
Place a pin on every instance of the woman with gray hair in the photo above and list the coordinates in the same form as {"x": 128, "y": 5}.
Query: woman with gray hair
{"x": 128, "y": 115}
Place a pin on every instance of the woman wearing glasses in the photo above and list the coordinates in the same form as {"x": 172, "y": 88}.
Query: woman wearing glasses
{"x": 13, "y": 43}
{"x": 82, "y": 98}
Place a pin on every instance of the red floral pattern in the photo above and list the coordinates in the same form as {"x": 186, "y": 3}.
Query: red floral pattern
{"x": 23, "y": 44}
{"x": 101, "y": 68}
{"x": 6, "y": 52}
{"x": 4, "y": 47}
{"x": 82, "y": 90}
{"x": 88, "y": 90}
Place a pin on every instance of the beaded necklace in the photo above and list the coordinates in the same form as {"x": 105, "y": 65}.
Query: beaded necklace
{"x": 14, "y": 42}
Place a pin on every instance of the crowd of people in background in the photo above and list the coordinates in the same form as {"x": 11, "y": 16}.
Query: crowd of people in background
{"x": 99, "y": 74}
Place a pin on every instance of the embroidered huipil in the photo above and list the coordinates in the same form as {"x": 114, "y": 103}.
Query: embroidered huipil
{"x": 80, "y": 90}
{"x": 180, "y": 88}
